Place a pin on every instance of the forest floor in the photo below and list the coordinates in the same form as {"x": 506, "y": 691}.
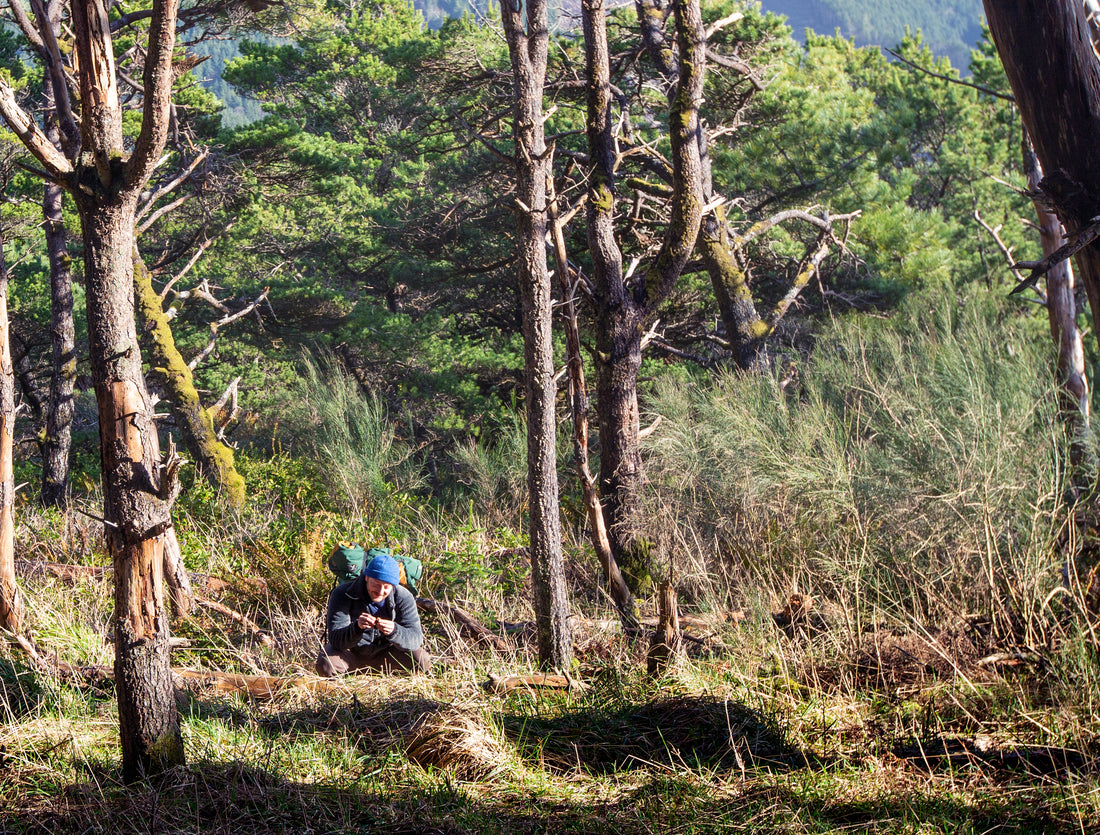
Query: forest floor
{"x": 764, "y": 726}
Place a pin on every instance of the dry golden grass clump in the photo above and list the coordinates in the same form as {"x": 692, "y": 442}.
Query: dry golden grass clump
{"x": 457, "y": 740}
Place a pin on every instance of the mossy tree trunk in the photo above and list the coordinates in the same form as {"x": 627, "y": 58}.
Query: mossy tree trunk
{"x": 623, "y": 306}
{"x": 212, "y": 457}
{"x": 525, "y": 27}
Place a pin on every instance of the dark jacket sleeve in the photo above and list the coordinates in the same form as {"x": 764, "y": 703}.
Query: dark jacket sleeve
{"x": 407, "y": 633}
{"x": 343, "y": 631}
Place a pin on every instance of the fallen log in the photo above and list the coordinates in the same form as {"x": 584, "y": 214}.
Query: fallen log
{"x": 259, "y": 686}
{"x": 62, "y": 570}
{"x": 256, "y": 686}
{"x": 198, "y": 580}
{"x": 466, "y": 622}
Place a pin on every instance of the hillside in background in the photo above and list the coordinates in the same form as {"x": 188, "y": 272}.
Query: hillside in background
{"x": 949, "y": 27}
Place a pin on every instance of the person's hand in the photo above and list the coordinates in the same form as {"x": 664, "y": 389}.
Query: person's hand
{"x": 368, "y": 621}
{"x": 386, "y": 627}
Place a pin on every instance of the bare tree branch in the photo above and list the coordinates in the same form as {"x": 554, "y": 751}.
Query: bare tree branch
{"x": 165, "y": 188}
{"x": 57, "y": 166}
{"x": 951, "y": 80}
{"x": 1076, "y": 243}
{"x": 158, "y": 79}
{"x": 225, "y": 320}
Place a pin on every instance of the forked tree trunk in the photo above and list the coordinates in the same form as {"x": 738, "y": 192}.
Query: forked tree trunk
{"x": 105, "y": 180}
{"x": 528, "y": 45}
{"x": 623, "y": 306}
{"x": 138, "y": 517}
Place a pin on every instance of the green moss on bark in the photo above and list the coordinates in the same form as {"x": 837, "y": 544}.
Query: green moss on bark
{"x": 215, "y": 459}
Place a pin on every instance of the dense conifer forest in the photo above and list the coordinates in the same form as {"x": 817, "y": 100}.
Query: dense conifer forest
{"x": 821, "y": 549}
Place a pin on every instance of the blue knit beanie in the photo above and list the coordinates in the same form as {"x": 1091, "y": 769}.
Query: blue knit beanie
{"x": 384, "y": 569}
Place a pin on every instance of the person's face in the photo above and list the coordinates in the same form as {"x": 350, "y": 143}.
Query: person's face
{"x": 378, "y": 590}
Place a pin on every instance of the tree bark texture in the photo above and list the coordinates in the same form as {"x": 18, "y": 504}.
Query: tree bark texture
{"x": 137, "y": 518}
{"x": 666, "y": 645}
{"x": 528, "y": 45}
{"x": 105, "y": 177}
{"x": 137, "y": 515}
{"x": 1062, "y": 314}
{"x": 11, "y": 603}
{"x": 1046, "y": 49}
{"x": 213, "y": 458}
{"x": 578, "y": 403}
{"x": 745, "y": 330}
{"x": 623, "y": 307}
{"x": 57, "y": 438}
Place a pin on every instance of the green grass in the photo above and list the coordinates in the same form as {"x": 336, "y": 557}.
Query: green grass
{"x": 943, "y": 681}
{"x": 764, "y": 733}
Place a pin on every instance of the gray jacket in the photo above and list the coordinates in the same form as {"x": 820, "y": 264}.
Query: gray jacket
{"x": 349, "y": 600}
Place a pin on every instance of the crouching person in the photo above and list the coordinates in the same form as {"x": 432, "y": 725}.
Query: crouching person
{"x": 373, "y": 625}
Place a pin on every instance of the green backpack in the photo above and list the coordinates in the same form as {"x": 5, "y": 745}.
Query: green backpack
{"x": 347, "y": 560}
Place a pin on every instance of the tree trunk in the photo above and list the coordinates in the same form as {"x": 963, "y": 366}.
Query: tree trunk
{"x": 578, "y": 403}
{"x": 11, "y": 603}
{"x": 105, "y": 179}
{"x": 59, "y": 408}
{"x": 528, "y": 50}
{"x": 212, "y": 458}
{"x": 666, "y": 645}
{"x": 137, "y": 519}
{"x": 745, "y": 330}
{"x": 1062, "y": 314}
{"x": 619, "y": 316}
{"x": 622, "y": 307}
{"x": 1047, "y": 54}
{"x": 57, "y": 440}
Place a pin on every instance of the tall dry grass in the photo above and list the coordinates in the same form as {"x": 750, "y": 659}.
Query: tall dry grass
{"x": 914, "y": 472}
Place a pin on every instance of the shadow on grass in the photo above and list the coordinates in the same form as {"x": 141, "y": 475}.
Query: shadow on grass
{"x": 682, "y": 732}
{"x": 694, "y": 732}
{"x": 238, "y": 799}
{"x": 675, "y": 765}
{"x": 1035, "y": 762}
{"x": 376, "y": 727}
{"x": 21, "y": 691}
